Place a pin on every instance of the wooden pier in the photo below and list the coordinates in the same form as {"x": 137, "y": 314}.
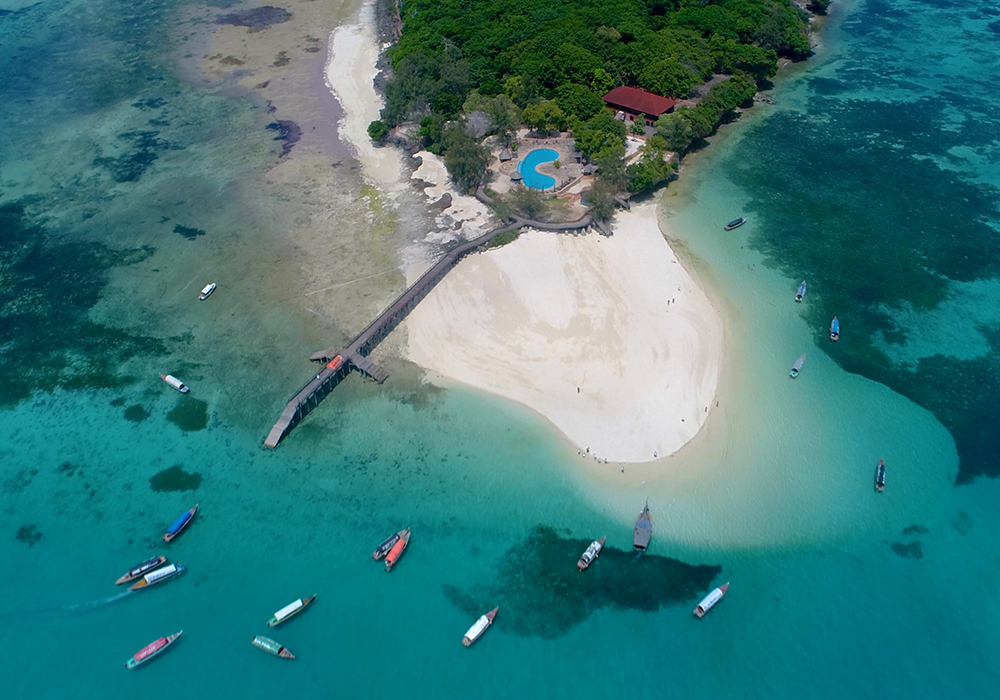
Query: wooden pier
{"x": 339, "y": 363}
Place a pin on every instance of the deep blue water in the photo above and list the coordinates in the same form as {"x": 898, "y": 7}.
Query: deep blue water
{"x": 532, "y": 178}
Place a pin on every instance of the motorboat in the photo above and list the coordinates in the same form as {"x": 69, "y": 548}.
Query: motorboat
{"x": 835, "y": 330}
{"x": 397, "y": 549}
{"x": 158, "y": 576}
{"x": 709, "y": 601}
{"x": 591, "y": 554}
{"x": 182, "y": 522}
{"x": 802, "y": 291}
{"x": 386, "y": 545}
{"x": 736, "y": 223}
{"x": 207, "y": 291}
{"x": 290, "y": 610}
{"x": 141, "y": 569}
{"x": 481, "y": 625}
{"x": 175, "y": 383}
{"x": 797, "y": 367}
{"x": 880, "y": 476}
{"x": 643, "y": 530}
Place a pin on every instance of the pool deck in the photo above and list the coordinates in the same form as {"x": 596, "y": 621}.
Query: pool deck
{"x": 569, "y": 171}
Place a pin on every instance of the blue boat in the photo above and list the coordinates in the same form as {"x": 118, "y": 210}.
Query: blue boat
{"x": 802, "y": 291}
{"x": 835, "y": 330}
{"x": 180, "y": 524}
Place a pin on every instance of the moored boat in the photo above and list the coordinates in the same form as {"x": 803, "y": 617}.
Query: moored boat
{"x": 735, "y": 223}
{"x": 397, "y": 549}
{"x": 797, "y": 367}
{"x": 643, "y": 530}
{"x": 386, "y": 545}
{"x": 835, "y": 330}
{"x": 141, "y": 569}
{"x": 290, "y": 610}
{"x": 591, "y": 554}
{"x": 175, "y": 383}
{"x": 481, "y": 625}
{"x": 179, "y": 524}
{"x": 272, "y": 647}
{"x": 151, "y": 650}
{"x": 207, "y": 291}
{"x": 158, "y": 576}
{"x": 709, "y": 601}
{"x": 880, "y": 476}
{"x": 802, "y": 291}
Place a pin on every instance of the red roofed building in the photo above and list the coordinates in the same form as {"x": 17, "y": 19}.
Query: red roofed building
{"x": 632, "y": 102}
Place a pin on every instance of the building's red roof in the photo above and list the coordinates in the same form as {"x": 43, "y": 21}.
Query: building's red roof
{"x": 637, "y": 100}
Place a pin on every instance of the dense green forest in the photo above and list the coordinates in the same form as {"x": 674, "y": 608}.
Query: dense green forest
{"x": 547, "y": 63}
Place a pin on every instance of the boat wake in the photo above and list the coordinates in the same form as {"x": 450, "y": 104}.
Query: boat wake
{"x": 94, "y": 604}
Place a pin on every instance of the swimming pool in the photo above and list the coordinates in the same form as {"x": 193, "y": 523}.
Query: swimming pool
{"x": 532, "y": 178}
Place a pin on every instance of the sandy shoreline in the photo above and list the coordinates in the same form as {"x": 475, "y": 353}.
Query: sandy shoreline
{"x": 609, "y": 338}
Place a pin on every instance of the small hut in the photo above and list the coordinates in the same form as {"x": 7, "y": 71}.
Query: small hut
{"x": 505, "y": 155}
{"x": 589, "y": 169}
{"x": 515, "y": 176}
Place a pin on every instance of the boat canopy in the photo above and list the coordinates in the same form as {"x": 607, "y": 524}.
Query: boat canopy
{"x": 478, "y": 628}
{"x": 711, "y": 599}
{"x": 160, "y": 573}
{"x": 179, "y": 523}
{"x": 288, "y": 609}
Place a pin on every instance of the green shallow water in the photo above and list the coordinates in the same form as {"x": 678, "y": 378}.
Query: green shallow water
{"x": 836, "y": 592}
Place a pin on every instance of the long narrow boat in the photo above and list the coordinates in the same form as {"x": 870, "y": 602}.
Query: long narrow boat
{"x": 175, "y": 383}
{"x": 835, "y": 330}
{"x": 481, "y": 625}
{"x": 141, "y": 569}
{"x": 880, "y": 476}
{"x": 735, "y": 223}
{"x": 643, "y": 530}
{"x": 272, "y": 647}
{"x": 797, "y": 367}
{"x": 181, "y": 523}
{"x": 802, "y": 291}
{"x": 158, "y": 576}
{"x": 290, "y": 610}
{"x": 151, "y": 650}
{"x": 397, "y": 549}
{"x": 386, "y": 545}
{"x": 709, "y": 601}
{"x": 591, "y": 554}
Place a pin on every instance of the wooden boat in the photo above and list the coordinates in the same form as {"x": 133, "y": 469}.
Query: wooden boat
{"x": 880, "y": 476}
{"x": 151, "y": 650}
{"x": 141, "y": 569}
{"x": 158, "y": 576}
{"x": 710, "y": 600}
{"x": 207, "y": 291}
{"x": 797, "y": 367}
{"x": 397, "y": 549}
{"x": 643, "y": 530}
{"x": 175, "y": 383}
{"x": 736, "y": 223}
{"x": 591, "y": 554}
{"x": 290, "y": 610}
{"x": 835, "y": 330}
{"x": 272, "y": 647}
{"x": 386, "y": 545}
{"x": 481, "y": 625}
{"x": 179, "y": 524}
{"x": 802, "y": 291}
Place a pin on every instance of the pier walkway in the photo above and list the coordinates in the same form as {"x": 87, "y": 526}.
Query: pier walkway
{"x": 339, "y": 363}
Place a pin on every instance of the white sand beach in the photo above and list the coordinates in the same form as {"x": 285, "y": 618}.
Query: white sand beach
{"x": 610, "y": 339}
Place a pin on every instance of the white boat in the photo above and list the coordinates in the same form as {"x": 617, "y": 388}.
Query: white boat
{"x": 289, "y": 610}
{"x": 175, "y": 383}
{"x": 207, "y": 291}
{"x": 710, "y": 600}
{"x": 591, "y": 554}
{"x": 482, "y": 624}
{"x": 158, "y": 576}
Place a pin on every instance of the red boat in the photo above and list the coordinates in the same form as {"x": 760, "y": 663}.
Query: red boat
{"x": 151, "y": 650}
{"x": 397, "y": 549}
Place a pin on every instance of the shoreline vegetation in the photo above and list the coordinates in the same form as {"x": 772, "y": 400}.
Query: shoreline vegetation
{"x": 470, "y": 81}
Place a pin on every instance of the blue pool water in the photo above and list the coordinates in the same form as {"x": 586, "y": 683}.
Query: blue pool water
{"x": 532, "y": 178}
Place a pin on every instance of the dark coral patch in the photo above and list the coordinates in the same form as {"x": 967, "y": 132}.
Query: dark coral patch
{"x": 908, "y": 551}
{"x": 189, "y": 414}
{"x": 136, "y": 413}
{"x": 288, "y": 131}
{"x": 256, "y": 18}
{"x": 915, "y": 530}
{"x": 28, "y": 534}
{"x": 188, "y": 232}
{"x": 175, "y": 479}
{"x": 542, "y": 593}
{"x": 19, "y": 481}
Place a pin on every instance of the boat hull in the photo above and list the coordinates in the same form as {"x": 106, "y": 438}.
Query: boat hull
{"x": 175, "y": 383}
{"x": 275, "y": 620}
{"x": 480, "y": 626}
{"x": 141, "y": 570}
{"x": 643, "y": 531}
{"x": 880, "y": 476}
{"x": 151, "y": 650}
{"x": 272, "y": 647}
{"x": 397, "y": 550}
{"x": 182, "y": 522}
{"x": 593, "y": 551}
{"x": 710, "y": 601}
{"x": 145, "y": 581}
{"x": 736, "y": 223}
{"x": 207, "y": 292}
{"x": 386, "y": 545}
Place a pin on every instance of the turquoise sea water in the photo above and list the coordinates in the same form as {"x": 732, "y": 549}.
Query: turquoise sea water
{"x": 836, "y": 592}
{"x": 533, "y": 178}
